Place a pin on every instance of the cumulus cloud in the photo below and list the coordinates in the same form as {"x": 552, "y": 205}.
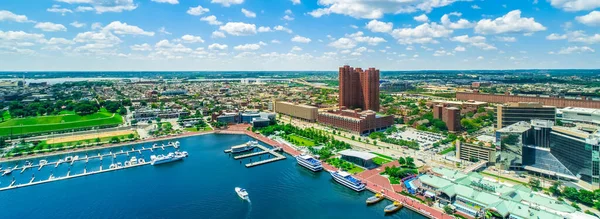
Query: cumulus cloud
{"x": 217, "y": 34}
{"x": 216, "y": 46}
{"x": 460, "y": 24}
{"x": 574, "y": 49}
{"x": 300, "y": 39}
{"x": 141, "y": 47}
{"x": 424, "y": 33}
{"x": 126, "y": 29}
{"x": 421, "y": 18}
{"x": 576, "y": 36}
{"x": 238, "y": 28}
{"x": 378, "y": 26}
{"x": 247, "y": 47}
{"x": 512, "y": 22}
{"x": 361, "y": 38}
{"x": 197, "y": 11}
{"x": 191, "y": 39}
{"x": 288, "y": 18}
{"x": 507, "y": 39}
{"x": 212, "y": 20}
{"x": 575, "y": 5}
{"x": 460, "y": 49}
{"x": 50, "y": 27}
{"x": 296, "y": 49}
{"x": 295, "y": 2}
{"x": 282, "y": 28}
{"x": 343, "y": 43}
{"x": 9, "y": 16}
{"x": 264, "y": 29}
{"x": 227, "y": 3}
{"x": 77, "y": 24}
{"x": 103, "y": 37}
{"x": 477, "y": 41}
{"x": 591, "y": 19}
{"x": 102, "y": 6}
{"x": 248, "y": 13}
{"x": 375, "y": 9}
{"x": 59, "y": 10}
{"x": 173, "y": 2}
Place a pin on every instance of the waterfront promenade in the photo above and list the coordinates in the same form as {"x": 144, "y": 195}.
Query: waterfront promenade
{"x": 373, "y": 179}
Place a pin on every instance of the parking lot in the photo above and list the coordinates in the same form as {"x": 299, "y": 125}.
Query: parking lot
{"x": 425, "y": 139}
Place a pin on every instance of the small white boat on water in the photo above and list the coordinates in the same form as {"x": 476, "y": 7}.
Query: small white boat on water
{"x": 242, "y": 193}
{"x": 244, "y": 147}
{"x": 68, "y": 158}
{"x": 43, "y": 162}
{"x": 141, "y": 161}
{"x": 6, "y": 172}
{"x": 112, "y": 166}
{"x": 133, "y": 161}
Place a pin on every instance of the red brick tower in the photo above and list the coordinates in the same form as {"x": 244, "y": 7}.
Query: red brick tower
{"x": 358, "y": 88}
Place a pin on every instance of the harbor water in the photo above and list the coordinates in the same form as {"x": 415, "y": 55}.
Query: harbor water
{"x": 200, "y": 186}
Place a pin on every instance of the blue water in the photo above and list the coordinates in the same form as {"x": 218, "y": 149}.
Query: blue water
{"x": 201, "y": 186}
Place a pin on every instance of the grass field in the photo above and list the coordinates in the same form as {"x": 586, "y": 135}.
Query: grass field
{"x": 302, "y": 141}
{"x": 383, "y": 156}
{"x": 355, "y": 170}
{"x": 380, "y": 160}
{"x": 193, "y": 129}
{"x": 65, "y": 121}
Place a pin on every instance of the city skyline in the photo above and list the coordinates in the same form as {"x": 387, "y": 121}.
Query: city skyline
{"x": 221, "y": 35}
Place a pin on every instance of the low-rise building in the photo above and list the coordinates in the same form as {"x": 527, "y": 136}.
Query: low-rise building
{"x": 355, "y": 121}
{"x": 475, "y": 153}
{"x": 299, "y": 111}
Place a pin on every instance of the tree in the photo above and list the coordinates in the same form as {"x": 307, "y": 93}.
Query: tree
{"x": 97, "y": 140}
{"x": 401, "y": 161}
{"x": 534, "y": 183}
{"x": 410, "y": 162}
{"x": 571, "y": 193}
{"x": 352, "y": 137}
{"x": 114, "y": 139}
{"x": 448, "y": 210}
{"x": 555, "y": 188}
{"x": 131, "y": 136}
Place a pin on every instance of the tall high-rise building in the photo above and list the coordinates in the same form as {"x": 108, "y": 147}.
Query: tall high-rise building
{"x": 358, "y": 88}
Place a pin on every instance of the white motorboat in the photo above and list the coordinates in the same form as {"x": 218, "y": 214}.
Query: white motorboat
{"x": 242, "y": 193}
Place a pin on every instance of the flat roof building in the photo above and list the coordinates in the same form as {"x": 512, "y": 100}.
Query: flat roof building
{"x": 360, "y": 158}
{"x": 300, "y": 111}
{"x": 580, "y": 115}
{"x": 355, "y": 121}
{"x": 511, "y": 113}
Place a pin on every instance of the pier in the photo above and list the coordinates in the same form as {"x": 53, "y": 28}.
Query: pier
{"x": 265, "y": 150}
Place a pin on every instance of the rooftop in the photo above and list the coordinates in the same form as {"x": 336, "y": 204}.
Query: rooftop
{"x": 359, "y": 154}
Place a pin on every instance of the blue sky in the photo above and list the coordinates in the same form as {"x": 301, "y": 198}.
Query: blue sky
{"x": 297, "y": 34}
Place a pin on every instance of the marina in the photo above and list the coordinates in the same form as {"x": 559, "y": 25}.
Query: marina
{"x": 76, "y": 165}
{"x": 264, "y": 150}
{"x": 211, "y": 197}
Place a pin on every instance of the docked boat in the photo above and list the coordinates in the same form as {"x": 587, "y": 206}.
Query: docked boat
{"x": 43, "y": 162}
{"x": 374, "y": 199}
{"x": 141, "y": 161}
{"x": 68, "y": 158}
{"x": 119, "y": 165}
{"x": 242, "y": 193}
{"x": 175, "y": 144}
{"x": 59, "y": 162}
{"x": 396, "y": 206}
{"x": 309, "y": 162}
{"x": 127, "y": 163}
{"x": 133, "y": 161}
{"x": 112, "y": 166}
{"x": 160, "y": 159}
{"x": 6, "y": 172}
{"x": 245, "y": 147}
{"x": 348, "y": 180}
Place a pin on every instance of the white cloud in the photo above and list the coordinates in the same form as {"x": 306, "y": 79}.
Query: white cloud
{"x": 576, "y": 36}
{"x": 216, "y": 46}
{"x": 296, "y": 49}
{"x": 591, "y": 19}
{"x": 575, "y": 5}
{"x": 300, "y": 39}
{"x": 275, "y": 41}
{"x": 191, "y": 39}
{"x": 264, "y": 29}
{"x": 217, "y": 34}
{"x": 173, "y": 2}
{"x": 96, "y": 26}
{"x": 249, "y": 14}
{"x": 163, "y": 30}
{"x": 378, "y": 26}
{"x": 9, "y": 16}
{"x": 20, "y": 36}
{"x": 77, "y": 24}
{"x": 477, "y": 41}
{"x": 288, "y": 18}
{"x": 574, "y": 49}
{"x": 424, "y": 33}
{"x": 476, "y": 7}
{"x": 238, "y": 28}
{"x": 480, "y": 58}
{"x": 507, "y": 39}
{"x": 103, "y": 6}
{"x": 288, "y": 11}
{"x": 50, "y": 27}
{"x": 282, "y": 28}
{"x": 58, "y": 9}
{"x": 460, "y": 49}
{"x": 359, "y": 37}
{"x": 442, "y": 53}
{"x": 512, "y": 22}
{"x": 227, "y": 3}
{"x": 295, "y": 2}
{"x": 212, "y": 20}
{"x": 247, "y": 47}
{"x": 56, "y": 41}
{"x": 126, "y": 29}
{"x": 369, "y": 9}
{"x": 460, "y": 24}
{"x": 197, "y": 11}
{"x": 421, "y": 18}
{"x": 343, "y": 43}
{"x": 142, "y": 47}
{"x": 103, "y": 37}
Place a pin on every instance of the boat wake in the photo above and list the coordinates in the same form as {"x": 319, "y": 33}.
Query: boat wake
{"x": 249, "y": 209}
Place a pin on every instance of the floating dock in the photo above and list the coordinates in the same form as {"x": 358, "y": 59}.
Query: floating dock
{"x": 265, "y": 150}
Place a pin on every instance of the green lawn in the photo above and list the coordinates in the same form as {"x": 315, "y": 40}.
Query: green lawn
{"x": 394, "y": 180}
{"x": 504, "y": 178}
{"x": 193, "y": 129}
{"x": 355, "y": 170}
{"x": 6, "y": 115}
{"x": 380, "y": 160}
{"x": 447, "y": 150}
{"x": 383, "y": 156}
{"x": 301, "y": 141}
{"x": 64, "y": 121}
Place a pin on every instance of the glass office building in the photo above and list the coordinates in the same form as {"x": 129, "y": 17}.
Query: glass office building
{"x": 578, "y": 151}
